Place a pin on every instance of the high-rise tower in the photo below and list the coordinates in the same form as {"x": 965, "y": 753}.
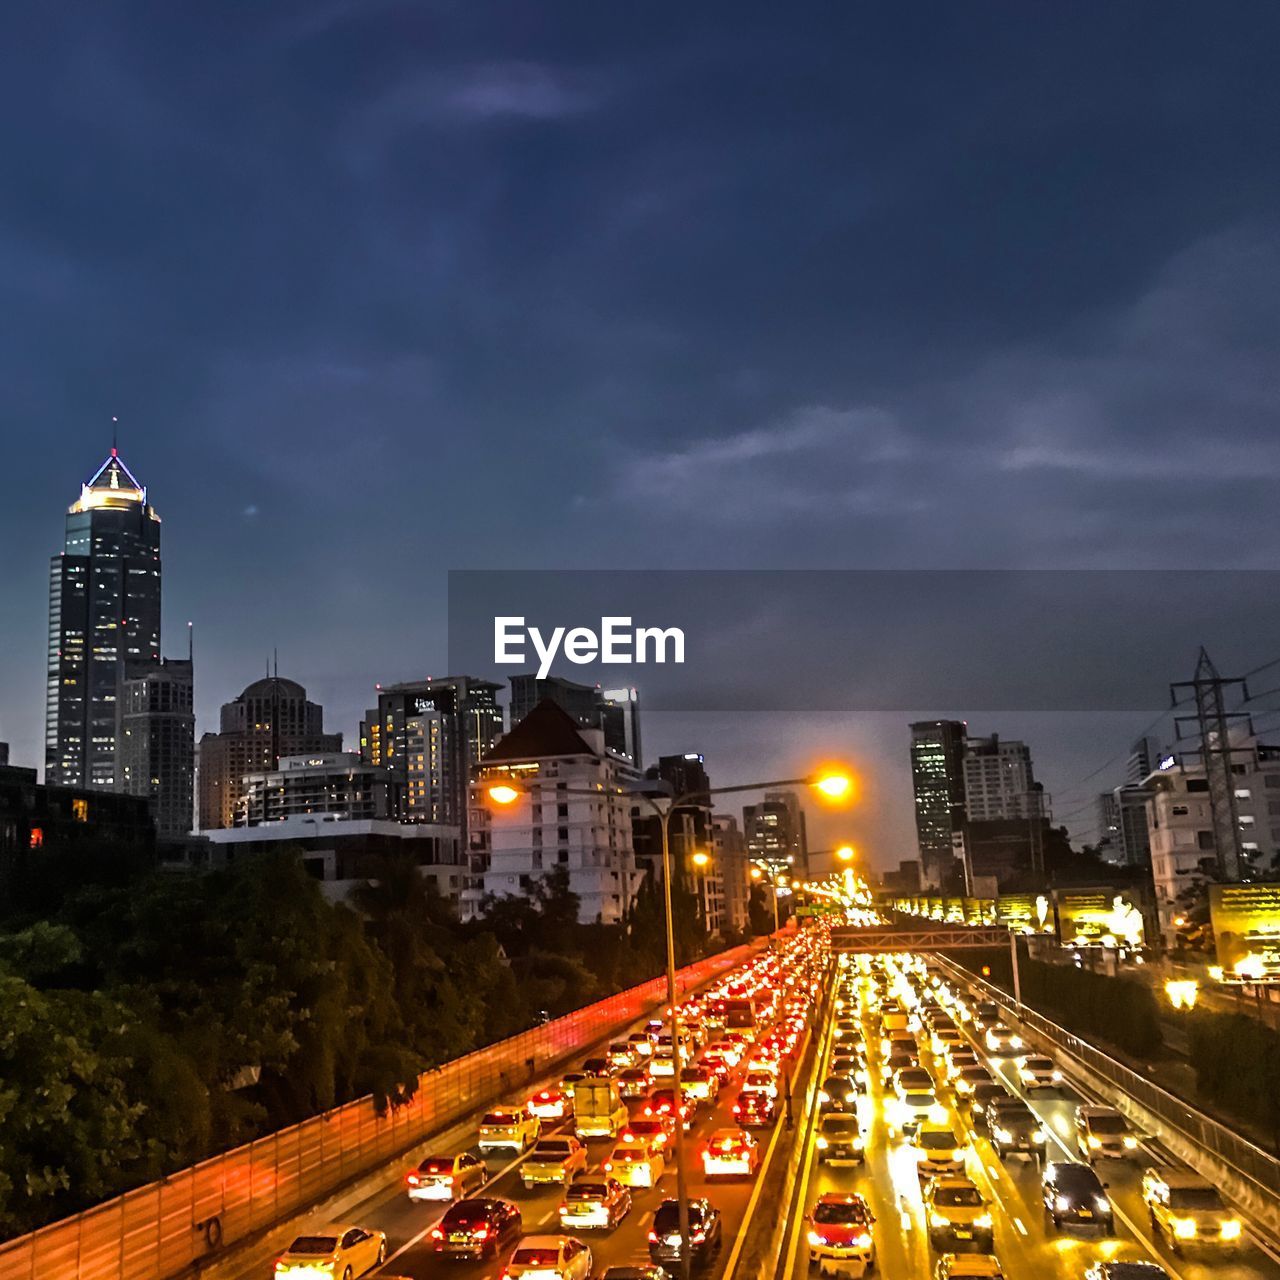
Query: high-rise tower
{"x": 104, "y": 612}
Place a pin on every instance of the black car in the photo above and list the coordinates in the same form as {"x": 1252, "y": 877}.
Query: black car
{"x": 838, "y": 1093}
{"x": 1072, "y": 1193}
{"x": 980, "y": 1101}
{"x": 476, "y": 1228}
{"x": 704, "y": 1233}
{"x": 1014, "y": 1129}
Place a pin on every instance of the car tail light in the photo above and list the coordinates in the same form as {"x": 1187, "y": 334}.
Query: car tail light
{"x": 481, "y": 1233}
{"x": 653, "y": 1237}
{"x": 411, "y": 1179}
{"x": 608, "y": 1166}
{"x": 437, "y": 1233}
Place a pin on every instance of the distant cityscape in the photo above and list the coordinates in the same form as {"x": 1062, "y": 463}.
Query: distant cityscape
{"x": 123, "y": 767}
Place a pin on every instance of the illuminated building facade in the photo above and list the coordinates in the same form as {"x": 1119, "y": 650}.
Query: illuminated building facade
{"x": 271, "y": 719}
{"x": 156, "y": 740}
{"x": 104, "y": 612}
{"x": 937, "y": 780}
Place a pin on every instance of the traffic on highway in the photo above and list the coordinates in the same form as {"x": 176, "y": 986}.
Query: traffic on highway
{"x": 916, "y": 1130}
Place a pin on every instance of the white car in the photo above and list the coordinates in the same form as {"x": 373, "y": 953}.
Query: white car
{"x": 550, "y": 1258}
{"x": 340, "y": 1251}
{"x": 1037, "y": 1072}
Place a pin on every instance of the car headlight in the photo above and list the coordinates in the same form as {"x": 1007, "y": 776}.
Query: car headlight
{"x": 1061, "y": 1204}
{"x": 983, "y": 1221}
{"x": 1057, "y": 1076}
{"x": 861, "y": 1241}
{"x": 822, "y": 1144}
{"x": 823, "y": 1096}
{"x": 937, "y": 1220}
{"x": 1002, "y": 1135}
{"x": 1095, "y": 1142}
{"x": 1130, "y": 1143}
{"x": 1183, "y": 1228}
{"x": 1231, "y": 1229}
{"x": 816, "y": 1239}
{"x": 851, "y": 1097}
{"x": 1038, "y": 1136}
{"x": 1102, "y": 1204}
{"x": 1016, "y": 1041}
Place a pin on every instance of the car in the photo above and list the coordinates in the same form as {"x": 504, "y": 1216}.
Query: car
{"x": 509, "y": 1129}
{"x": 957, "y": 1059}
{"x": 657, "y": 1130}
{"x": 839, "y": 1139}
{"x": 986, "y": 1014}
{"x": 944, "y": 1038}
{"x": 939, "y": 1149}
{"x": 549, "y": 1258}
{"x": 551, "y": 1103}
{"x": 597, "y": 1068}
{"x": 700, "y": 1084}
{"x": 343, "y": 1251}
{"x": 555, "y": 1159}
{"x": 906, "y": 1114}
{"x": 662, "y": 1102}
{"x": 705, "y": 1233}
{"x": 1002, "y": 1041}
{"x": 634, "y": 1082}
{"x": 1187, "y": 1209}
{"x": 838, "y": 1093}
{"x": 640, "y": 1044}
{"x": 755, "y": 1109}
{"x": 730, "y": 1153}
{"x": 636, "y": 1163}
{"x": 1102, "y": 1133}
{"x": 1038, "y": 1072}
{"x": 955, "y": 1212}
{"x": 968, "y": 1266}
{"x": 1073, "y": 1194}
{"x": 846, "y": 1029}
{"x": 985, "y": 1094}
{"x": 729, "y": 1050}
{"x": 764, "y": 1081}
{"x": 662, "y": 1063}
{"x": 914, "y": 1080}
{"x": 840, "y": 1231}
{"x": 621, "y": 1055}
{"x": 446, "y": 1177}
{"x": 635, "y": 1273}
{"x": 967, "y": 1079}
{"x": 476, "y": 1228}
{"x": 594, "y": 1202}
{"x": 1126, "y": 1271}
{"x": 1015, "y": 1129}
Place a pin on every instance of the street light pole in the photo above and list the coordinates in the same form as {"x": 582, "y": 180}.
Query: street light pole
{"x": 835, "y": 786}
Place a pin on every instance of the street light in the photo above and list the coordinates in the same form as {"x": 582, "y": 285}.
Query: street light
{"x": 845, "y": 853}
{"x": 834, "y": 784}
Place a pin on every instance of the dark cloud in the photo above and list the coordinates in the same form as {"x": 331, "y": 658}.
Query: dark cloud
{"x": 434, "y": 285}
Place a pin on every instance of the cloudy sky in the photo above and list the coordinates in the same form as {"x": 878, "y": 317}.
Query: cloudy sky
{"x": 381, "y": 290}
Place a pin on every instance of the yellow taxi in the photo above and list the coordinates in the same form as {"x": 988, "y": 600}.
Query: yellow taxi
{"x": 940, "y": 1151}
{"x": 551, "y": 1103}
{"x": 339, "y": 1252}
{"x": 509, "y": 1128}
{"x": 956, "y": 1212}
{"x": 636, "y": 1162}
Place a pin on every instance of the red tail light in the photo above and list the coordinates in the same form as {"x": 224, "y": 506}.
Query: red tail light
{"x": 437, "y": 1233}
{"x": 653, "y": 1237}
{"x": 411, "y": 1179}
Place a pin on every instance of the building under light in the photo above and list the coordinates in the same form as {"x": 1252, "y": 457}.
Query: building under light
{"x": 104, "y": 613}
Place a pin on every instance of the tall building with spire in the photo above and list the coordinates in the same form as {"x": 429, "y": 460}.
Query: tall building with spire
{"x": 104, "y": 613}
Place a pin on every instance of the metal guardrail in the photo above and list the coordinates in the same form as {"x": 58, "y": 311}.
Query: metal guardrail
{"x": 1243, "y": 1157}
{"x": 174, "y": 1226}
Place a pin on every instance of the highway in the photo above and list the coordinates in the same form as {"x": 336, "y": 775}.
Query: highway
{"x": 1028, "y": 1248}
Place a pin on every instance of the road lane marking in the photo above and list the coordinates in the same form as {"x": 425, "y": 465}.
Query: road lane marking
{"x": 1017, "y": 1222}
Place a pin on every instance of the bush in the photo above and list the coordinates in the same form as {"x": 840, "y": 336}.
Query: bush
{"x": 1237, "y": 1064}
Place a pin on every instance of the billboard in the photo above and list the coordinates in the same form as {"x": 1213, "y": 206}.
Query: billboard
{"x": 1107, "y": 917}
{"x": 1246, "y": 928}
{"x": 1025, "y": 912}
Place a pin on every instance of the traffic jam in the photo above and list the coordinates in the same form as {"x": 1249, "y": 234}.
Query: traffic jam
{"x": 577, "y": 1179}
{"x": 948, "y": 1144}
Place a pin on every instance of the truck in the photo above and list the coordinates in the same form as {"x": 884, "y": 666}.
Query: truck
{"x": 598, "y": 1109}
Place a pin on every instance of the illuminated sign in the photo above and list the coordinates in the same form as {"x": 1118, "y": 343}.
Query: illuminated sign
{"x": 1098, "y": 918}
{"x": 1246, "y": 926}
{"x": 1023, "y": 912}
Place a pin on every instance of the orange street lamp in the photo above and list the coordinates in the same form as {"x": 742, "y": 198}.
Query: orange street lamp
{"x": 701, "y": 859}
{"x": 845, "y": 853}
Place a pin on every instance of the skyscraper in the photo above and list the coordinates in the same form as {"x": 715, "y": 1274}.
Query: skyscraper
{"x": 104, "y": 612}
{"x": 156, "y": 742}
{"x": 999, "y": 782}
{"x": 937, "y": 780}
{"x": 271, "y": 719}
{"x": 431, "y": 734}
{"x": 774, "y": 832}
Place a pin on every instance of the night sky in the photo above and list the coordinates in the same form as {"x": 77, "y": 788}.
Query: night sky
{"x": 382, "y": 290}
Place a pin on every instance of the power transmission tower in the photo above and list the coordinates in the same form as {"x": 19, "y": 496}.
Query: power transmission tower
{"x": 1213, "y": 723}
